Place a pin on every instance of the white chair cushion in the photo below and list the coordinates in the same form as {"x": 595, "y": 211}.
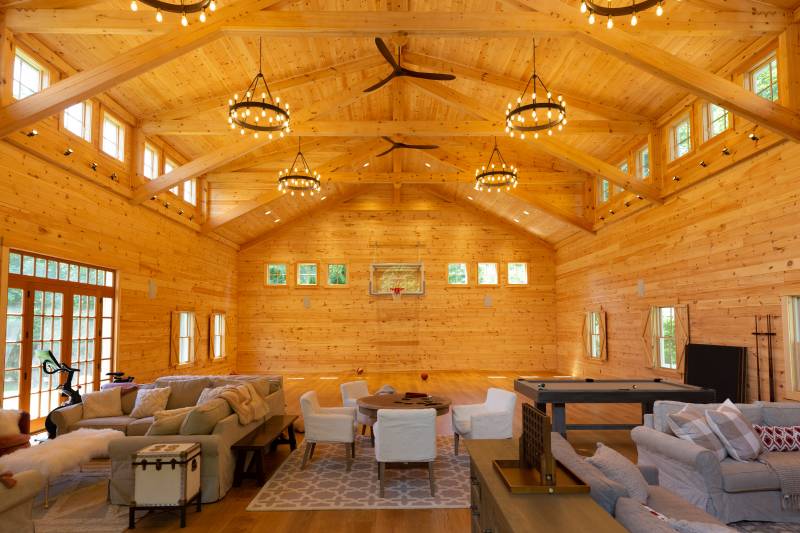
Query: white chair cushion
{"x": 405, "y": 435}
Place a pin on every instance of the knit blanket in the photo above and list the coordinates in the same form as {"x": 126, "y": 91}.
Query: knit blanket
{"x": 786, "y": 466}
{"x": 244, "y": 400}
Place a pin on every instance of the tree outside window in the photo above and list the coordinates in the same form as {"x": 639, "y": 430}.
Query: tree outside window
{"x": 457, "y": 273}
{"x": 276, "y": 274}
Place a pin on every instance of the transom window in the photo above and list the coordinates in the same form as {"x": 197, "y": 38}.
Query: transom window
{"x": 487, "y": 274}
{"x": 276, "y": 274}
{"x": 169, "y": 166}
{"x": 113, "y": 138}
{"x": 716, "y": 120}
{"x": 680, "y": 137}
{"x": 763, "y": 79}
{"x": 78, "y": 120}
{"x": 218, "y": 335}
{"x": 518, "y": 273}
{"x": 190, "y": 191}
{"x": 38, "y": 266}
{"x": 337, "y": 274}
{"x": 457, "y": 274}
{"x": 603, "y": 190}
{"x": 29, "y": 76}
{"x": 307, "y": 274}
{"x": 150, "y": 164}
{"x": 643, "y": 163}
{"x": 664, "y": 337}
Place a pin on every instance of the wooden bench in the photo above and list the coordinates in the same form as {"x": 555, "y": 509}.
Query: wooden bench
{"x": 266, "y": 436}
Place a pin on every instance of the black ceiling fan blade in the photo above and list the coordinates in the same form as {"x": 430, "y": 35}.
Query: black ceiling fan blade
{"x": 380, "y": 84}
{"x": 386, "y": 53}
{"x": 427, "y": 75}
{"x": 422, "y": 146}
{"x": 390, "y": 150}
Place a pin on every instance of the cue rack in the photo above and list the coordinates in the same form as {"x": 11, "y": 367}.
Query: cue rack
{"x": 769, "y": 334}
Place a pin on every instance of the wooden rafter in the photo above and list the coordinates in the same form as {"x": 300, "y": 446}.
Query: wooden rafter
{"x": 532, "y": 177}
{"x": 124, "y": 66}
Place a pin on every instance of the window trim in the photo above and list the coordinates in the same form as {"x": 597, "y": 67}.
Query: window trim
{"x": 748, "y": 75}
{"x": 266, "y": 274}
{"x": 527, "y": 274}
{"x": 707, "y": 123}
{"x": 791, "y": 345}
{"x": 212, "y": 334}
{"x": 657, "y": 333}
{"x": 673, "y": 141}
{"x": 156, "y": 151}
{"x": 88, "y": 125}
{"x": 30, "y": 58}
{"x": 478, "y": 277}
{"x": 183, "y": 184}
{"x": 600, "y": 200}
{"x": 105, "y": 114}
{"x": 346, "y": 275}
{"x": 602, "y": 333}
{"x": 193, "y": 340}
{"x": 638, "y": 163}
{"x": 447, "y": 274}
{"x": 297, "y": 283}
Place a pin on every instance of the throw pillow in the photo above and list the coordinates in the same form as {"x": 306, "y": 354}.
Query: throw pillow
{"x": 734, "y": 431}
{"x": 168, "y": 422}
{"x": 779, "y": 438}
{"x": 618, "y": 468}
{"x": 101, "y": 404}
{"x": 185, "y": 392}
{"x": 203, "y": 419}
{"x": 9, "y": 423}
{"x": 209, "y": 394}
{"x": 690, "y": 424}
{"x": 148, "y": 401}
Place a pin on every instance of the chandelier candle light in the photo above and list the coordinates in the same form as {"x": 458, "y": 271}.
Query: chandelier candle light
{"x": 543, "y": 113}
{"x": 590, "y": 7}
{"x": 299, "y": 178}
{"x": 256, "y": 110}
{"x": 204, "y": 7}
{"x": 497, "y": 174}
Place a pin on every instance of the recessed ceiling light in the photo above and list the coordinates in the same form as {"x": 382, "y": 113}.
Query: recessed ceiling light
{"x": 277, "y": 220}
{"x": 267, "y": 212}
{"x": 526, "y": 212}
{"x": 428, "y": 165}
{"x": 366, "y": 164}
{"x": 516, "y": 220}
{"x": 322, "y": 198}
{"x": 470, "y": 197}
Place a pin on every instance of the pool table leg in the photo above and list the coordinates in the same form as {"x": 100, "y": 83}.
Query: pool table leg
{"x": 542, "y": 407}
{"x": 647, "y": 409}
{"x": 560, "y": 419}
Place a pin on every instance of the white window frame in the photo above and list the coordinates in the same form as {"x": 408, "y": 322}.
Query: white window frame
{"x": 190, "y": 191}
{"x": 169, "y": 166}
{"x": 594, "y": 350}
{"x": 791, "y": 325}
{"x": 708, "y": 121}
{"x": 508, "y": 273}
{"x": 186, "y": 351}
{"x": 466, "y": 274}
{"x": 20, "y": 56}
{"x": 84, "y": 131}
{"x": 219, "y": 327}
{"x": 674, "y": 142}
{"x": 660, "y": 339}
{"x": 119, "y": 153}
{"x": 150, "y": 161}
{"x": 603, "y": 198}
{"x": 299, "y": 278}
{"x": 496, "y": 274}
{"x": 774, "y": 88}
{"x": 640, "y": 167}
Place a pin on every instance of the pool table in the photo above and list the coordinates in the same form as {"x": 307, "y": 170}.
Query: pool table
{"x": 560, "y": 392}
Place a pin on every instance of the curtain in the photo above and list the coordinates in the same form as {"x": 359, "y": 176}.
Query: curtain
{"x": 648, "y": 337}
{"x": 174, "y": 338}
{"x": 682, "y": 334}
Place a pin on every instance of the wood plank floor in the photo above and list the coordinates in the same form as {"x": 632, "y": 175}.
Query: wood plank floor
{"x": 229, "y": 515}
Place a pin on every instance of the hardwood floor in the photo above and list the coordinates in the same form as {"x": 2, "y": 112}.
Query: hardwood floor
{"x": 229, "y": 515}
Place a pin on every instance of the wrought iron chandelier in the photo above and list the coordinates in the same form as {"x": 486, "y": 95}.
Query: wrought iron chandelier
{"x": 541, "y": 114}
{"x": 497, "y": 175}
{"x": 590, "y": 7}
{"x": 299, "y": 177}
{"x": 256, "y": 110}
{"x": 204, "y": 7}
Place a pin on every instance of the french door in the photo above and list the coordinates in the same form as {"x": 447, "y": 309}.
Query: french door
{"x": 59, "y": 306}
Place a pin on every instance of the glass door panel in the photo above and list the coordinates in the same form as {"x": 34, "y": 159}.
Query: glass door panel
{"x": 84, "y": 334}
{"x": 12, "y": 375}
{"x": 106, "y": 340}
{"x": 48, "y": 316}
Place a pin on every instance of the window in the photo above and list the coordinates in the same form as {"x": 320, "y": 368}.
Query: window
{"x": 183, "y": 337}
{"x": 217, "y": 335}
{"x": 337, "y": 274}
{"x": 643, "y": 163}
{"x": 29, "y": 76}
{"x": 792, "y": 327}
{"x": 78, "y": 120}
{"x": 113, "y": 138}
{"x": 680, "y": 134}
{"x": 276, "y": 274}
{"x": 487, "y": 273}
{"x": 595, "y": 335}
{"x": 518, "y": 273}
{"x": 664, "y": 337}
{"x": 150, "y": 166}
{"x": 457, "y": 274}
{"x": 623, "y": 167}
{"x": 763, "y": 79}
{"x": 307, "y": 274}
{"x": 715, "y": 121}
{"x": 603, "y": 191}
{"x": 169, "y": 166}
{"x": 190, "y": 191}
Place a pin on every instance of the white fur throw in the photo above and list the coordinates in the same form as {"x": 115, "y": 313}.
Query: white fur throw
{"x": 53, "y": 457}
{"x": 243, "y": 399}
{"x": 103, "y": 403}
{"x": 148, "y": 401}
{"x": 9, "y": 423}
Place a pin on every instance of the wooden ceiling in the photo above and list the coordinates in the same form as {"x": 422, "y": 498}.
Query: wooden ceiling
{"x": 320, "y": 54}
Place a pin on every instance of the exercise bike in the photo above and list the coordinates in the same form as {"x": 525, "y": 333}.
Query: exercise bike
{"x": 71, "y": 396}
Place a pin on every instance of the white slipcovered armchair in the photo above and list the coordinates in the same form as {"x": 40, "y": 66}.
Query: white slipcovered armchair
{"x": 405, "y": 436}
{"x": 493, "y": 419}
{"x": 351, "y": 392}
{"x": 327, "y": 425}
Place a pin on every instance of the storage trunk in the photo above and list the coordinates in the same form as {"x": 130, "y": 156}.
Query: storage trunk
{"x": 167, "y": 474}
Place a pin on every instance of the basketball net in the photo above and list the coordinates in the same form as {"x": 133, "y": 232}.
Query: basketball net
{"x": 396, "y": 291}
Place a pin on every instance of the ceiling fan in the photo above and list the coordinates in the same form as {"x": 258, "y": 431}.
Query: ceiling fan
{"x": 401, "y": 145}
{"x": 400, "y": 71}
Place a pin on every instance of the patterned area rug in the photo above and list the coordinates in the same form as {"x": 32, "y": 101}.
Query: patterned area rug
{"x": 326, "y": 485}
{"x": 766, "y": 527}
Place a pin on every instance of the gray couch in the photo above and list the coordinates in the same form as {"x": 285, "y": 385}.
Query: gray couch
{"x": 16, "y": 503}
{"x": 216, "y": 455}
{"x": 613, "y": 497}
{"x": 728, "y": 489}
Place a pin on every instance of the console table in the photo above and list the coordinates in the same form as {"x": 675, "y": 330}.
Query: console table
{"x": 496, "y": 510}
{"x": 258, "y": 442}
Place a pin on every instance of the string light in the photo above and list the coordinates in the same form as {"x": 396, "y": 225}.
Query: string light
{"x": 298, "y": 178}
{"x": 203, "y": 7}
{"x": 594, "y": 9}
{"x": 496, "y": 175}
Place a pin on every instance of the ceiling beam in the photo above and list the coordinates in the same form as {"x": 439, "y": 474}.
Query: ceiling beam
{"x": 370, "y": 23}
{"x": 562, "y": 215}
{"x": 373, "y": 128}
{"x": 124, "y": 66}
{"x": 673, "y": 69}
{"x": 266, "y": 179}
{"x": 240, "y": 210}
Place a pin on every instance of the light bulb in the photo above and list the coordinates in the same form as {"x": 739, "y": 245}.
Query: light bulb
{"x": 583, "y": 7}
{"x": 134, "y": 6}
{"x": 212, "y": 6}
{"x": 184, "y": 20}
{"x": 159, "y": 16}
{"x": 202, "y": 16}
{"x": 591, "y": 18}
{"x": 634, "y": 20}
{"x": 659, "y": 10}
{"x": 610, "y": 23}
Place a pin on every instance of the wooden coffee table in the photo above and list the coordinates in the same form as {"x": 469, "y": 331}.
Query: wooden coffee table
{"x": 264, "y": 438}
{"x": 369, "y": 405}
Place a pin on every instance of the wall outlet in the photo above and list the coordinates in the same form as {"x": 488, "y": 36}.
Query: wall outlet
{"x": 640, "y": 288}
{"x": 487, "y": 301}
{"x": 307, "y": 302}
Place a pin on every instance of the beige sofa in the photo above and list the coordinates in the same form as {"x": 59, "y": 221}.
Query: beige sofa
{"x": 217, "y": 458}
{"x": 16, "y": 503}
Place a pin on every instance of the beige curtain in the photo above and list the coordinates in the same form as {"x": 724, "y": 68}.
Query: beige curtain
{"x": 196, "y": 344}
{"x": 174, "y": 336}
{"x": 682, "y": 331}
{"x": 648, "y": 337}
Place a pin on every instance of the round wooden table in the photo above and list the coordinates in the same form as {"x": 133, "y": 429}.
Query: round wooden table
{"x": 369, "y": 405}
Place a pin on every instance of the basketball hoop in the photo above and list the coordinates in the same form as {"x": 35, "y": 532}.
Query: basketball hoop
{"x": 396, "y": 292}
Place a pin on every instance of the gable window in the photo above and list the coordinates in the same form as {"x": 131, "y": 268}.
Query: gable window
{"x": 792, "y": 345}
{"x": 113, "y": 138}
{"x": 276, "y": 274}
{"x": 517, "y": 273}
{"x": 643, "y": 163}
{"x": 337, "y": 274}
{"x": 78, "y": 120}
{"x": 457, "y": 274}
{"x": 763, "y": 79}
{"x": 169, "y": 166}
{"x": 603, "y": 191}
{"x": 184, "y": 337}
{"x": 150, "y": 164}
{"x": 680, "y": 134}
{"x": 190, "y": 191}
{"x": 487, "y": 274}
{"x": 716, "y": 120}
{"x": 307, "y": 274}
{"x": 218, "y": 335}
{"x": 594, "y": 335}
{"x": 29, "y": 76}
